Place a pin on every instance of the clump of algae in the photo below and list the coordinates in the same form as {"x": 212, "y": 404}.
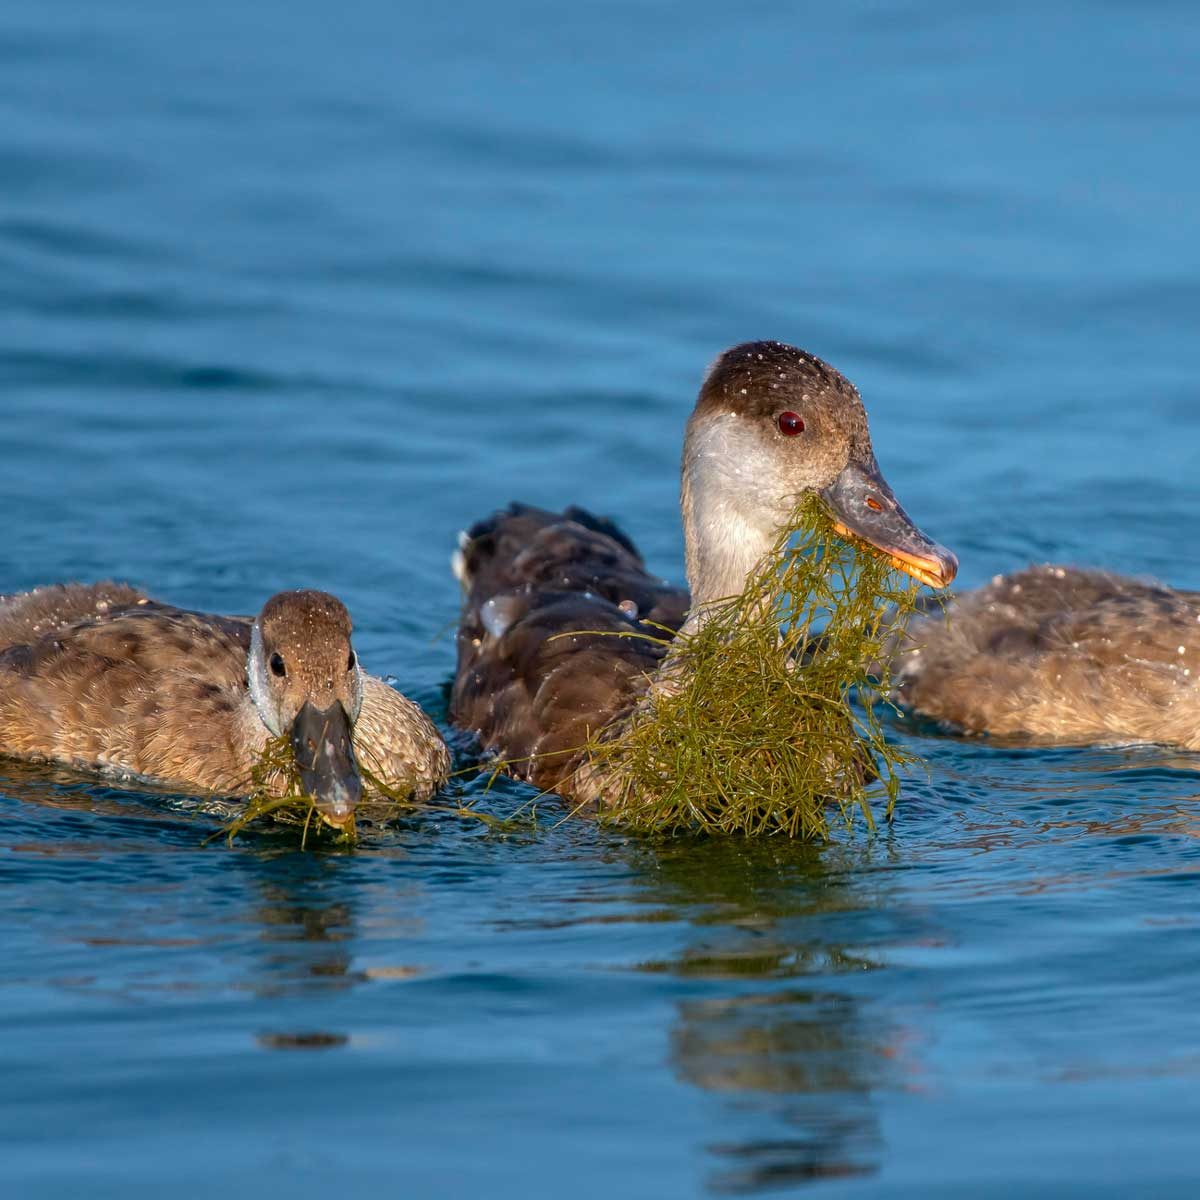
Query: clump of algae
{"x": 275, "y": 794}
{"x": 750, "y": 726}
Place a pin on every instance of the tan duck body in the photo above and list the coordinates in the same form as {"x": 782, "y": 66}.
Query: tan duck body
{"x": 539, "y": 673}
{"x": 1060, "y": 654}
{"x": 102, "y": 677}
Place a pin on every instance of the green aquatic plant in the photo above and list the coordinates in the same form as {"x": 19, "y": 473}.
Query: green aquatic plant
{"x": 276, "y": 794}
{"x": 751, "y": 725}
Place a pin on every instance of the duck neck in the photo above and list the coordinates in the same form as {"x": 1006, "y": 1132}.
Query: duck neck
{"x": 725, "y": 539}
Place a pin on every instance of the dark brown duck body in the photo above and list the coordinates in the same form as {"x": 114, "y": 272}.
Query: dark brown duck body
{"x": 1060, "y": 654}
{"x": 540, "y": 668}
{"x": 103, "y": 677}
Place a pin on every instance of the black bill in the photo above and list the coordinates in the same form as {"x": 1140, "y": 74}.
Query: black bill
{"x": 325, "y": 759}
{"x": 864, "y": 507}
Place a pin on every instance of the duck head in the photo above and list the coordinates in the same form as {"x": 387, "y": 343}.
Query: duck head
{"x": 306, "y": 682}
{"x": 772, "y": 424}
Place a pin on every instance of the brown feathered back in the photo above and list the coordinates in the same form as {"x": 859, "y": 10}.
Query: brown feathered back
{"x": 536, "y": 674}
{"x": 28, "y": 616}
{"x": 1060, "y": 654}
{"x": 101, "y": 676}
{"x": 129, "y": 685}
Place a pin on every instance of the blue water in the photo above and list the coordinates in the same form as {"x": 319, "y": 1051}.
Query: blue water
{"x": 290, "y": 292}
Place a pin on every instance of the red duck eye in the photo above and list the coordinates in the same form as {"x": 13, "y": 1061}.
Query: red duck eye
{"x": 790, "y": 423}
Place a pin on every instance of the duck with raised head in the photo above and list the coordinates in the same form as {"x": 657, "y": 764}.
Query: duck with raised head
{"x": 1059, "y": 654}
{"x": 102, "y": 677}
{"x": 771, "y": 424}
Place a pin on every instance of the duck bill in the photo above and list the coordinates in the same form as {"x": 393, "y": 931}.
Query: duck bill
{"x": 864, "y": 508}
{"x": 325, "y": 759}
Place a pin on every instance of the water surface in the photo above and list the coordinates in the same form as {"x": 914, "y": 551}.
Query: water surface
{"x": 289, "y": 293}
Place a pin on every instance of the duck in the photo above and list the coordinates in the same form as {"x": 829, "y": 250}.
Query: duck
{"x": 1058, "y": 654}
{"x": 103, "y": 678}
{"x": 771, "y": 424}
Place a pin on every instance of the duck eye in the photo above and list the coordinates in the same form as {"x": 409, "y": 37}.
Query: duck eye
{"x": 790, "y": 423}
{"x": 277, "y": 667}
{"x": 350, "y": 661}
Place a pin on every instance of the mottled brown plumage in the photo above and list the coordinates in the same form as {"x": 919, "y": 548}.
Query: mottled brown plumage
{"x": 538, "y": 672}
{"x": 102, "y": 677}
{"x": 1060, "y": 654}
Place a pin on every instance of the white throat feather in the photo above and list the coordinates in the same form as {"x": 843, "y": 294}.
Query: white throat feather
{"x": 256, "y": 680}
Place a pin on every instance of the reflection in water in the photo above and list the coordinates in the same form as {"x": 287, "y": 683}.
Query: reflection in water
{"x": 791, "y": 989}
{"x": 311, "y": 943}
{"x": 307, "y": 940}
{"x": 792, "y": 1041}
{"x": 772, "y": 961}
{"x": 810, "y": 1059}
{"x": 301, "y": 1041}
{"x": 51, "y": 785}
{"x": 807, "y": 1056}
{"x": 310, "y": 947}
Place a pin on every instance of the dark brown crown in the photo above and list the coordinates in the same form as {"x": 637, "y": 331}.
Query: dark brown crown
{"x": 305, "y": 614}
{"x": 760, "y": 379}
